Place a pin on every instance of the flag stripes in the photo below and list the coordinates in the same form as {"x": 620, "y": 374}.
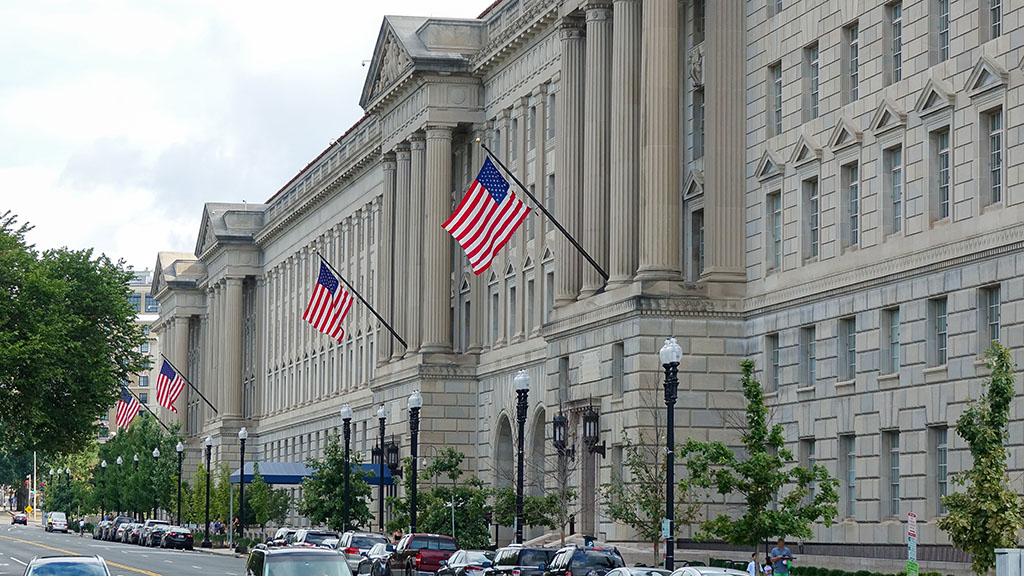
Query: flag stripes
{"x": 127, "y": 408}
{"x": 328, "y": 305}
{"x": 169, "y": 385}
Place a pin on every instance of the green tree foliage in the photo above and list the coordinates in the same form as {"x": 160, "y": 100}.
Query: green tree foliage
{"x": 759, "y": 479}
{"x": 638, "y": 500}
{"x": 323, "y": 494}
{"x": 265, "y": 504}
{"x": 67, "y": 341}
{"x": 987, "y": 514}
{"x": 127, "y": 489}
{"x": 197, "y": 496}
{"x": 222, "y": 502}
{"x": 537, "y": 510}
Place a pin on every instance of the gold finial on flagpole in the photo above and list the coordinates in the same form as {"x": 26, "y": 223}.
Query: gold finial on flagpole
{"x": 478, "y": 140}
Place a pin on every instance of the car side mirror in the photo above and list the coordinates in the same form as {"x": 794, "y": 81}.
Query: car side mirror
{"x": 443, "y": 563}
{"x": 541, "y": 566}
{"x": 389, "y": 548}
{"x": 486, "y": 564}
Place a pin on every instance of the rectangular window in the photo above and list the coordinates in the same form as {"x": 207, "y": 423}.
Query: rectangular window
{"x": 851, "y": 177}
{"x": 775, "y": 223}
{"x": 699, "y": 21}
{"x": 941, "y": 466}
{"x": 894, "y": 177}
{"x": 775, "y": 75}
{"x": 144, "y": 348}
{"x": 993, "y": 123}
{"x": 811, "y": 200}
{"x": 852, "y": 78}
{"x": 811, "y": 65}
{"x": 549, "y": 295}
{"x": 995, "y": 18}
{"x": 848, "y": 459}
{"x": 808, "y": 345}
{"x": 698, "y": 123}
{"x": 808, "y": 459}
{"x": 144, "y": 397}
{"x": 135, "y": 301}
{"x": 494, "y": 318}
{"x": 772, "y": 353}
{"x": 530, "y": 307}
{"x": 848, "y": 347}
{"x": 892, "y": 441}
{"x": 549, "y": 198}
{"x": 531, "y": 128}
{"x": 942, "y": 11}
{"x": 514, "y": 145}
{"x": 896, "y": 32}
{"x": 939, "y": 331}
{"x": 497, "y": 143}
{"x": 143, "y": 381}
{"x": 511, "y": 327}
{"x": 151, "y": 304}
{"x": 891, "y": 340}
{"x": 697, "y": 244}
{"x": 942, "y": 167}
{"x": 467, "y": 323}
{"x": 618, "y": 372}
{"x": 989, "y": 308}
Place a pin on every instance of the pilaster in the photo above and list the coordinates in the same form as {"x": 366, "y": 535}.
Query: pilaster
{"x": 540, "y": 95}
{"x": 400, "y": 264}
{"x": 569, "y": 180}
{"x": 179, "y": 355}
{"x": 386, "y": 269}
{"x": 436, "y": 241}
{"x": 625, "y": 133}
{"x": 596, "y": 143}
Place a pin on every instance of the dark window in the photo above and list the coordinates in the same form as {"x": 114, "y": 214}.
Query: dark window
{"x": 533, "y": 558}
{"x": 366, "y": 541}
{"x": 584, "y": 561}
{"x": 151, "y": 304}
{"x": 135, "y": 300}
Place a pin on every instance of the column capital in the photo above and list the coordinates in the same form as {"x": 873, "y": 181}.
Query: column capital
{"x": 417, "y": 141}
{"x": 540, "y": 90}
{"x": 599, "y": 11}
{"x": 571, "y": 29}
{"x": 234, "y": 280}
{"x": 439, "y": 131}
{"x": 387, "y": 159}
{"x": 402, "y": 153}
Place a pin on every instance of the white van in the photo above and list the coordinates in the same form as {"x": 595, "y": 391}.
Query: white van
{"x": 56, "y": 521}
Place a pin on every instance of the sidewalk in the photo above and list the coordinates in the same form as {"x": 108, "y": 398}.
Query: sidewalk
{"x": 219, "y": 551}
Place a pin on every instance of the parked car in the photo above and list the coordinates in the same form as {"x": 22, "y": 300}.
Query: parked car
{"x": 97, "y": 530}
{"x": 707, "y": 571}
{"x": 639, "y": 571}
{"x": 280, "y": 538}
{"x": 331, "y": 543}
{"x": 56, "y": 522}
{"x": 584, "y": 562}
{"x": 144, "y": 535}
{"x": 111, "y": 532}
{"x": 374, "y": 560}
{"x": 467, "y": 563}
{"x": 310, "y": 538}
{"x": 519, "y": 560}
{"x": 134, "y": 534}
{"x": 20, "y": 518}
{"x": 355, "y": 544}
{"x": 120, "y": 530}
{"x": 420, "y": 553}
{"x": 156, "y": 533}
{"x": 77, "y": 565}
{"x": 177, "y": 537}
{"x": 265, "y": 560}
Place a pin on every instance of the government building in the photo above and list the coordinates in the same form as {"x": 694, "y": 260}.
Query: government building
{"x": 830, "y": 188}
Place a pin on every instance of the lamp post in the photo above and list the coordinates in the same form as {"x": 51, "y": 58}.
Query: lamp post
{"x": 591, "y": 431}
{"x": 382, "y": 416}
{"x": 181, "y": 452}
{"x": 206, "y": 527}
{"x": 522, "y": 386}
{"x": 346, "y": 425}
{"x": 49, "y": 493}
{"x": 103, "y": 489}
{"x": 135, "y": 471}
{"x": 118, "y": 492}
{"x": 415, "y": 403}
{"x": 156, "y": 464}
{"x": 242, "y": 435}
{"x": 670, "y": 355}
{"x": 67, "y": 472}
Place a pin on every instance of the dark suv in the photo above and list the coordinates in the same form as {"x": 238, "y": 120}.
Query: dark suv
{"x": 518, "y": 560}
{"x": 577, "y": 561}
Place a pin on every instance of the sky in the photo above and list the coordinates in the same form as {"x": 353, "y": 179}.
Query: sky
{"x": 119, "y": 119}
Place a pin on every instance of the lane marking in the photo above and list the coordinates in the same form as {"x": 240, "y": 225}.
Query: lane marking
{"x": 70, "y": 553}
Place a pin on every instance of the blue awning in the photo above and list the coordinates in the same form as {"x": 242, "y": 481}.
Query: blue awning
{"x": 294, "y": 472}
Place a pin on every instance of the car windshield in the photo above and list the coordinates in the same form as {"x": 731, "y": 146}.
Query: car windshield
{"x": 363, "y": 542}
{"x": 317, "y": 539}
{"x": 479, "y": 557}
{"x": 68, "y": 568}
{"x": 295, "y": 565}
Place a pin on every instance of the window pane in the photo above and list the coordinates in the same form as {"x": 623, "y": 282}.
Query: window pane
{"x": 897, "y": 41}
{"x": 943, "y": 173}
{"x": 854, "y": 62}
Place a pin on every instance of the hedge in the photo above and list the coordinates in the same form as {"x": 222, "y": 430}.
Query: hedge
{"x": 813, "y": 570}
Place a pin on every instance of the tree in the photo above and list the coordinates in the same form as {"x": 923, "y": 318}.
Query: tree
{"x": 265, "y": 504}
{"x": 988, "y": 514}
{"x": 68, "y": 340}
{"x": 759, "y": 479}
{"x": 196, "y": 510}
{"x": 537, "y": 510}
{"x": 323, "y": 494}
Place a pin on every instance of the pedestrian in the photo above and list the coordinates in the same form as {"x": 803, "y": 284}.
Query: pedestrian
{"x": 753, "y": 568}
{"x": 780, "y": 557}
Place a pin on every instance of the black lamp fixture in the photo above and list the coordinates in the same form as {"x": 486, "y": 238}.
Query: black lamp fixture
{"x": 560, "y": 435}
{"x": 391, "y": 453}
{"x": 375, "y": 455}
{"x": 591, "y": 430}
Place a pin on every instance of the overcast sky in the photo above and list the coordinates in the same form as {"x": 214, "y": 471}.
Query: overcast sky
{"x": 119, "y": 119}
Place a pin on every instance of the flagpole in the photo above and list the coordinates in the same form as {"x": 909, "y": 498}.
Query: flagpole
{"x": 168, "y": 360}
{"x": 361, "y": 299}
{"x": 143, "y": 404}
{"x": 545, "y": 211}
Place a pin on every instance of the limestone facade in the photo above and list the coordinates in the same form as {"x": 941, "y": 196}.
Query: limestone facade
{"x": 830, "y": 188}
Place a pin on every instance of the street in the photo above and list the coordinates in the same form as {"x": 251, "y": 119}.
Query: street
{"x": 19, "y": 544}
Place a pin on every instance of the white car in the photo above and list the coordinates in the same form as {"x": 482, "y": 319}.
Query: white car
{"x": 56, "y": 522}
{"x": 706, "y": 571}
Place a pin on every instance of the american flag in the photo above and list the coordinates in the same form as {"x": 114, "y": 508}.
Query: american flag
{"x": 169, "y": 385}
{"x": 127, "y": 408}
{"x": 487, "y": 216}
{"x": 328, "y": 305}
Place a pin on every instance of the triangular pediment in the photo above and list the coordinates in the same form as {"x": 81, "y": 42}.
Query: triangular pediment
{"x": 935, "y": 97}
{"x": 510, "y": 270}
{"x": 694, "y": 184}
{"x": 529, "y": 263}
{"x": 390, "y": 62}
{"x": 769, "y": 167}
{"x": 806, "y": 150}
{"x": 987, "y": 75}
{"x": 887, "y": 117}
{"x": 464, "y": 286}
{"x": 493, "y": 278}
{"x": 547, "y": 255}
{"x": 844, "y": 135}
{"x": 207, "y": 238}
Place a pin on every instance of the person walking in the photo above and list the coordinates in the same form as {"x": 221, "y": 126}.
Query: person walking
{"x": 753, "y": 568}
{"x": 780, "y": 557}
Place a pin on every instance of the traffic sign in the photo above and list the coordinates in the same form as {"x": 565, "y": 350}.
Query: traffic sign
{"x": 28, "y": 509}
{"x": 666, "y": 529}
{"x": 911, "y": 525}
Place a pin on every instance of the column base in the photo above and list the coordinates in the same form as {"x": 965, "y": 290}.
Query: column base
{"x": 435, "y": 349}
{"x": 646, "y": 274}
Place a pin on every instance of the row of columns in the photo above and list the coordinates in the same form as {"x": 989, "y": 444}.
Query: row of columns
{"x": 223, "y": 374}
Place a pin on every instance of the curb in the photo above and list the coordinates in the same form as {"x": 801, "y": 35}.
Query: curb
{"x": 212, "y": 552}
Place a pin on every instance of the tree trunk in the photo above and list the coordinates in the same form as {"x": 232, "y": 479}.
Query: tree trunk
{"x": 657, "y": 547}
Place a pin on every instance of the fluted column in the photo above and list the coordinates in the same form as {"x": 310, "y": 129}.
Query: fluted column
{"x": 219, "y": 341}
{"x": 179, "y": 355}
{"x": 414, "y": 245}
{"x": 540, "y": 171}
{"x": 625, "y": 133}
{"x": 385, "y": 271}
{"x": 233, "y": 348}
{"x": 726, "y": 130}
{"x": 437, "y": 242}
{"x": 569, "y": 179}
{"x": 659, "y": 184}
{"x": 208, "y": 354}
{"x": 400, "y": 264}
{"x": 596, "y": 186}
{"x": 477, "y": 282}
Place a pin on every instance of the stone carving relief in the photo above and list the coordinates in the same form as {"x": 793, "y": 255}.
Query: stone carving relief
{"x": 695, "y": 64}
{"x": 393, "y": 61}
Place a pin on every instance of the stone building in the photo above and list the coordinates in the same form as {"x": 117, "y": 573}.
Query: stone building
{"x": 863, "y": 248}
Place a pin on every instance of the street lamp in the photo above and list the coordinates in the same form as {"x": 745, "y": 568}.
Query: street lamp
{"x": 156, "y": 461}
{"x": 118, "y": 492}
{"x": 382, "y": 416}
{"x": 181, "y": 449}
{"x": 135, "y": 512}
{"x": 346, "y": 421}
{"x": 103, "y": 489}
{"x": 67, "y": 471}
{"x": 521, "y": 383}
{"x": 560, "y": 436}
{"x": 591, "y": 431}
{"x": 670, "y": 355}
{"x": 242, "y": 435}
{"x": 415, "y": 403}
{"x": 206, "y": 527}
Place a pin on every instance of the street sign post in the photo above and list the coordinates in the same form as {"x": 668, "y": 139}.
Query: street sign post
{"x": 911, "y": 544}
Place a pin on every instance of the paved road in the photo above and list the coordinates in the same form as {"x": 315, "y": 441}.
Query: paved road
{"x": 19, "y": 544}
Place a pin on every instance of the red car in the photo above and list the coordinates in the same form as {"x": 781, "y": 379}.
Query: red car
{"x": 420, "y": 553}
{"x": 20, "y": 518}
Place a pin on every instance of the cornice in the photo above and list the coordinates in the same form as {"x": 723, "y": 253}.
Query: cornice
{"x": 513, "y": 35}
